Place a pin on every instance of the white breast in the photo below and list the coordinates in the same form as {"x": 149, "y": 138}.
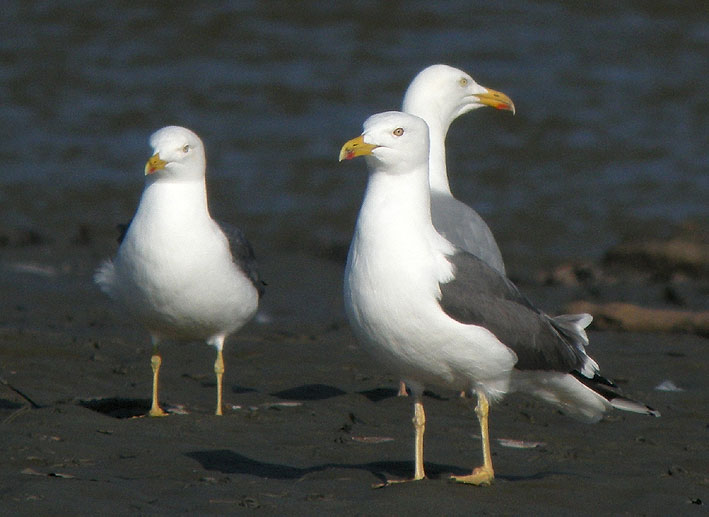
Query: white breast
{"x": 174, "y": 270}
{"x": 394, "y": 267}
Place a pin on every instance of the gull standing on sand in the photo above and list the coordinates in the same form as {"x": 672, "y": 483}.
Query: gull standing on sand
{"x": 180, "y": 273}
{"x": 439, "y": 94}
{"x": 438, "y": 315}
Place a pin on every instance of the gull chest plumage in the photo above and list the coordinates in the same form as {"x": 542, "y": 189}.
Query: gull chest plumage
{"x": 178, "y": 272}
{"x": 175, "y": 262}
{"x": 395, "y": 266}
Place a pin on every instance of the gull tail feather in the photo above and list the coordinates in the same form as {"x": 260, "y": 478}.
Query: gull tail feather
{"x": 609, "y": 391}
{"x": 573, "y": 328}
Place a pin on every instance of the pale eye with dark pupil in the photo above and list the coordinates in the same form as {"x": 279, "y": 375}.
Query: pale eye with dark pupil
{"x": 463, "y": 81}
{"x": 398, "y": 131}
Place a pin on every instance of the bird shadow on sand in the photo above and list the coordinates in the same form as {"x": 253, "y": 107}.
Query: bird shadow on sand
{"x": 118, "y": 407}
{"x": 324, "y": 391}
{"x": 377, "y": 394}
{"x": 230, "y": 462}
{"x": 309, "y": 392}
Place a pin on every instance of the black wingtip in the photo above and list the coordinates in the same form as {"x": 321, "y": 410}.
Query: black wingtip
{"x": 607, "y": 389}
{"x": 596, "y": 379}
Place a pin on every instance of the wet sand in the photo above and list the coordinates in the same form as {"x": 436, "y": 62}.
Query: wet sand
{"x": 311, "y": 423}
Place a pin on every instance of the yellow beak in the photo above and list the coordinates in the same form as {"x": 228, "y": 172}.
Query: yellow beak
{"x": 356, "y": 147}
{"x": 154, "y": 164}
{"x": 496, "y": 100}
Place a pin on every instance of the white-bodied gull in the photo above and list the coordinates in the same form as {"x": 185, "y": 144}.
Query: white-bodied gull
{"x": 438, "y": 315}
{"x": 178, "y": 272}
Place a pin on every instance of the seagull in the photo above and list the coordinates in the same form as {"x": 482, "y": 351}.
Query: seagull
{"x": 439, "y": 94}
{"x": 180, "y": 273}
{"x": 438, "y": 315}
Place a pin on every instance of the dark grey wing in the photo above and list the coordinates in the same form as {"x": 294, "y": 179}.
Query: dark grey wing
{"x": 479, "y": 295}
{"x": 464, "y": 227}
{"x": 243, "y": 254}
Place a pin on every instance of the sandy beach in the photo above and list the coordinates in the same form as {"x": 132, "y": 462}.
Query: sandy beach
{"x": 311, "y": 423}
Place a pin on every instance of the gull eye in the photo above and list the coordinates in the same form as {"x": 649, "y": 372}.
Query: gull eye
{"x": 398, "y": 131}
{"x": 463, "y": 81}
{"x": 186, "y": 148}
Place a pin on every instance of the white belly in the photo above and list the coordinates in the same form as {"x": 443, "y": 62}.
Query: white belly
{"x": 393, "y": 308}
{"x": 182, "y": 286}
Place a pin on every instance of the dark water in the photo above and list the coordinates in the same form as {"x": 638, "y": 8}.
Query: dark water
{"x": 610, "y": 137}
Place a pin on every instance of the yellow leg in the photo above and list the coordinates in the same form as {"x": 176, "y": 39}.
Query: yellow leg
{"x": 155, "y": 362}
{"x": 419, "y": 422}
{"x": 482, "y": 475}
{"x": 419, "y": 427}
{"x": 219, "y": 370}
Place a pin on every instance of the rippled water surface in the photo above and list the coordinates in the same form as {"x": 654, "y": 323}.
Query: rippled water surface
{"x": 610, "y": 137}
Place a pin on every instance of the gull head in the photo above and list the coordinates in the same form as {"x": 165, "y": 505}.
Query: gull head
{"x": 392, "y": 140}
{"x": 178, "y": 153}
{"x": 445, "y": 93}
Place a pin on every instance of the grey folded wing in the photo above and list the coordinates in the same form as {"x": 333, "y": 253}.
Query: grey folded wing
{"x": 243, "y": 254}
{"x": 479, "y": 295}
